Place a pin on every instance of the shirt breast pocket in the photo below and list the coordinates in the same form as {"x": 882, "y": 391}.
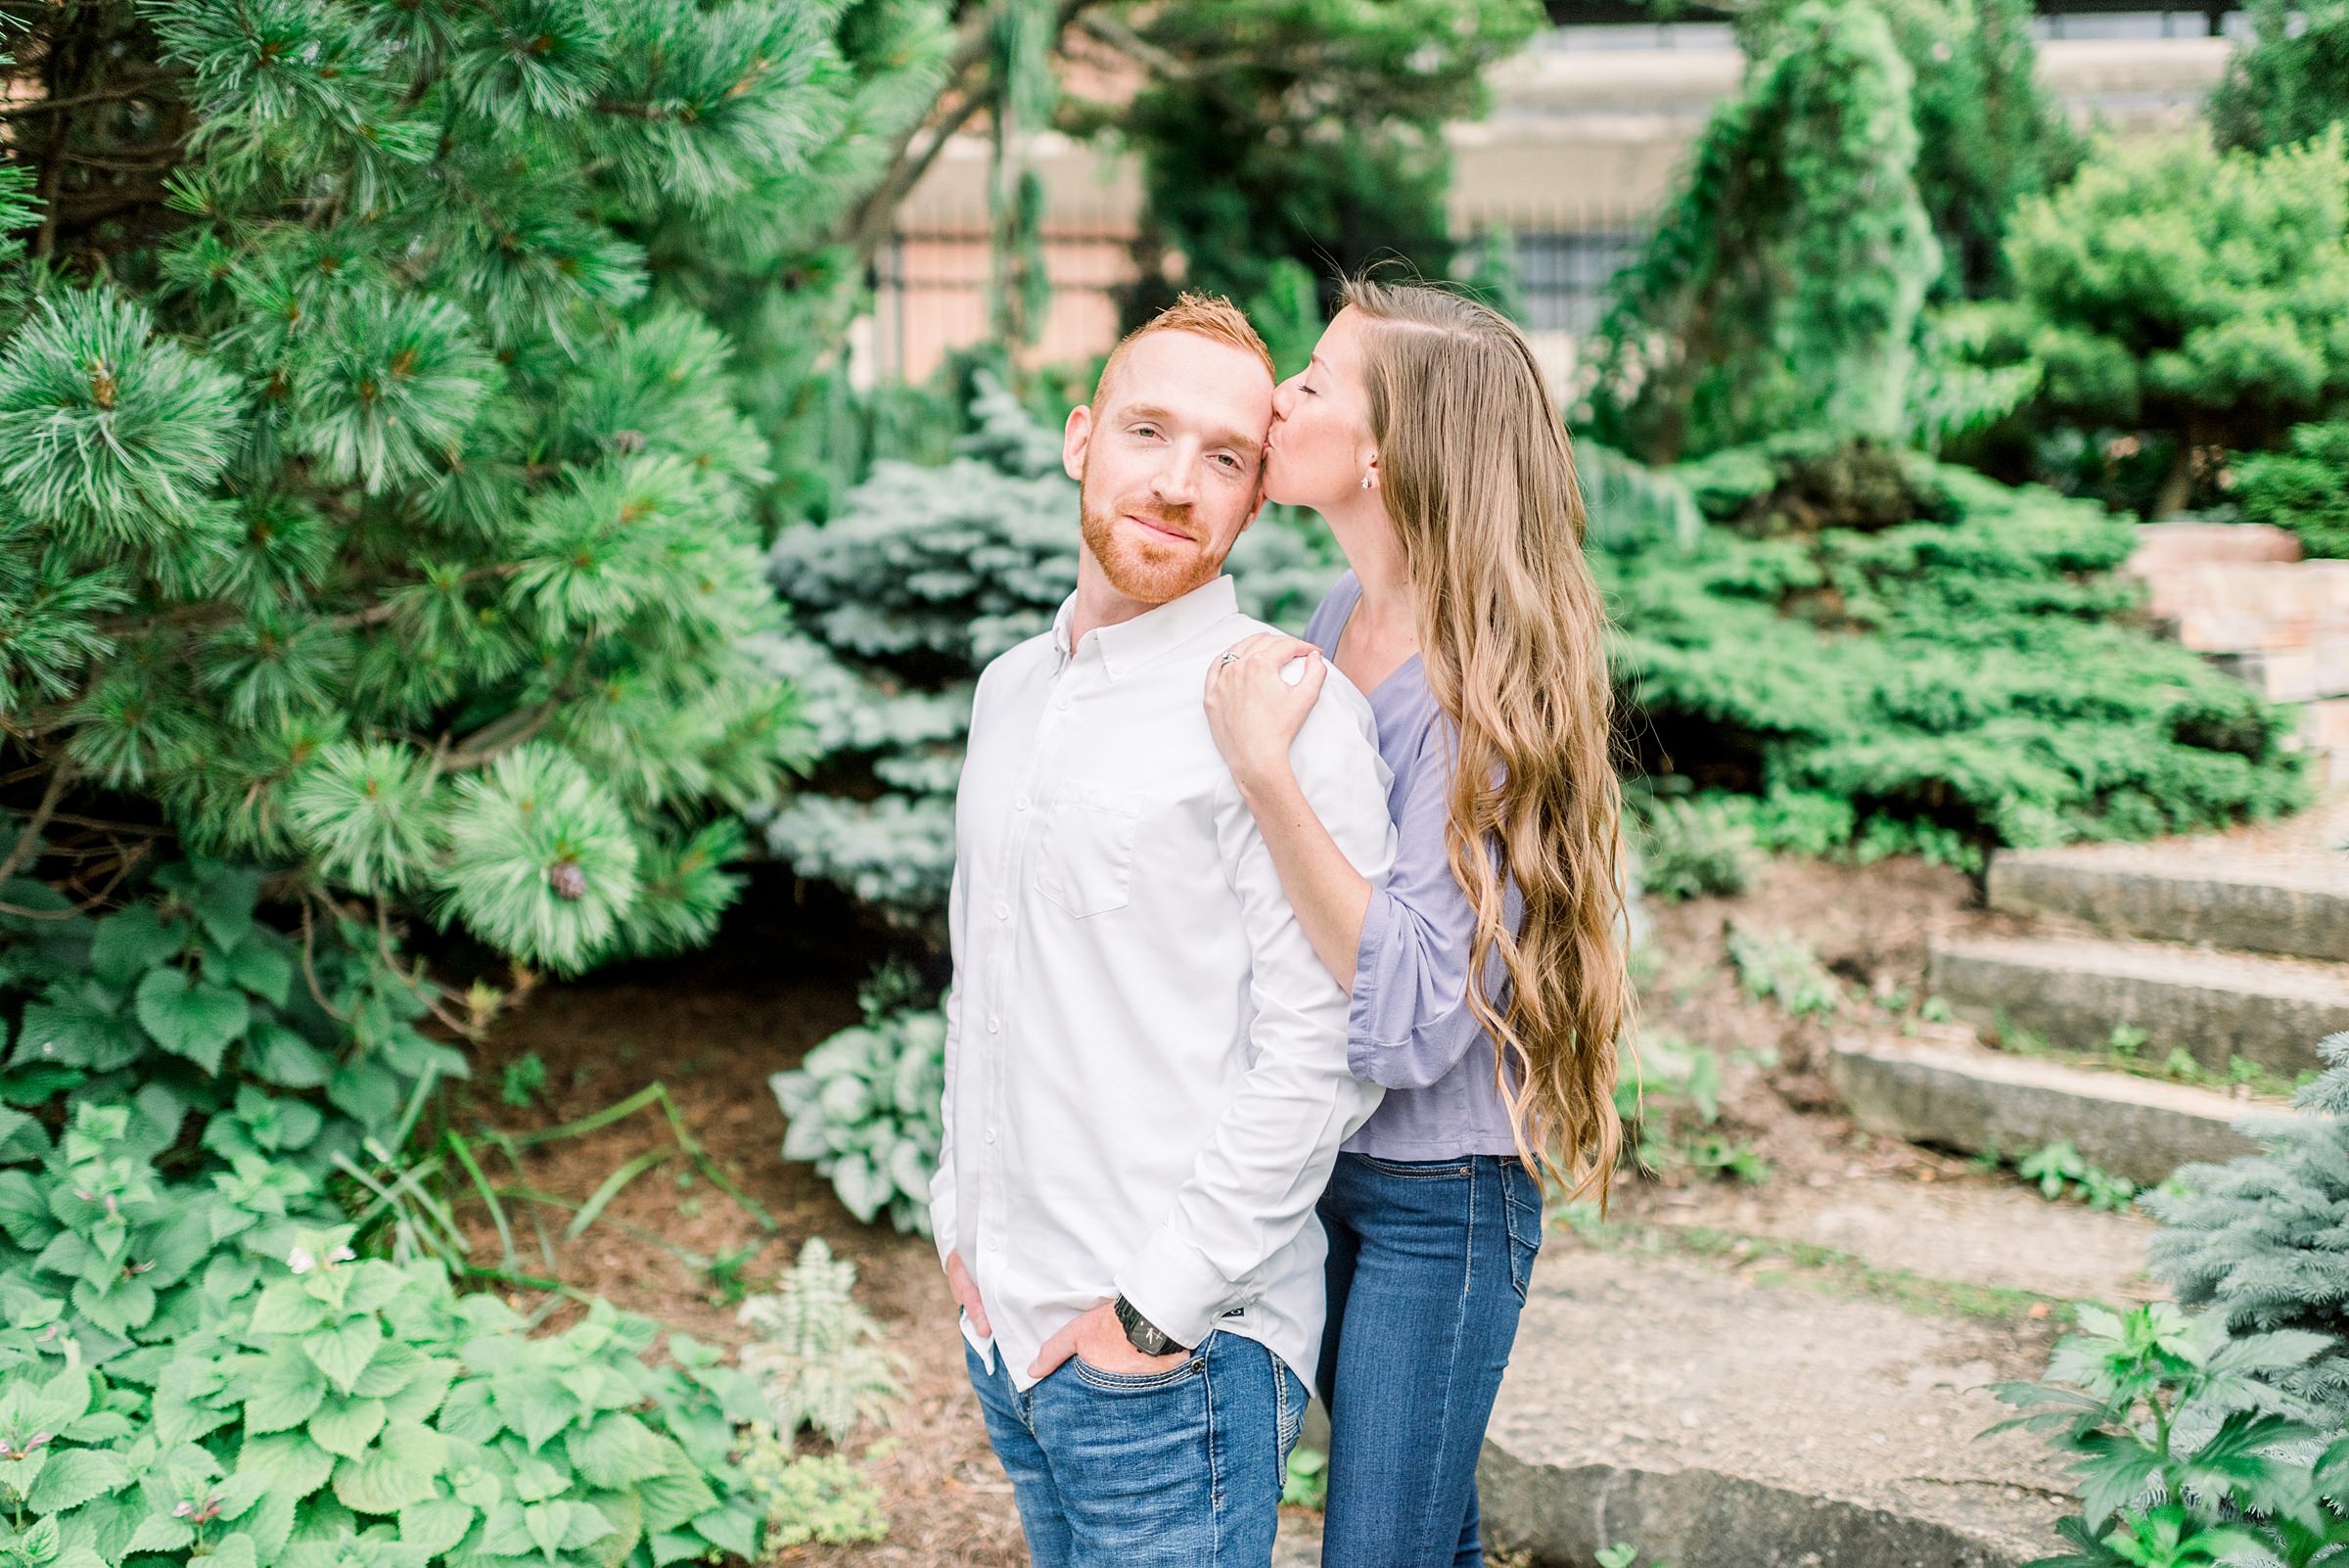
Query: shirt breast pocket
{"x": 1084, "y": 863}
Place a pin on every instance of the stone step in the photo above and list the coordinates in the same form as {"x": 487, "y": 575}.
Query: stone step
{"x": 2291, "y": 904}
{"x": 1717, "y": 1421}
{"x": 2317, "y": 670}
{"x": 2163, "y": 547}
{"x": 2294, "y": 597}
{"x": 2072, "y": 991}
{"x": 1969, "y": 1099}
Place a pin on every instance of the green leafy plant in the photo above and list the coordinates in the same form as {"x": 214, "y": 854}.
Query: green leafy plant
{"x": 1668, "y": 1094}
{"x": 2058, "y": 1171}
{"x": 1307, "y": 1481}
{"x": 812, "y": 1497}
{"x": 865, "y": 1107}
{"x": 1623, "y": 1554}
{"x": 524, "y": 1079}
{"x": 2185, "y": 1456}
{"x": 1784, "y": 968}
{"x": 815, "y": 1353}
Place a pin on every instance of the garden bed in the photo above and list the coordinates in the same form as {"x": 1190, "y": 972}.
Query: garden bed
{"x": 712, "y": 1026}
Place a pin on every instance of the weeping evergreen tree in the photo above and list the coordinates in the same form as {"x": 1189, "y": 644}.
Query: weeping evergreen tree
{"x": 1784, "y": 288}
{"x": 380, "y": 497}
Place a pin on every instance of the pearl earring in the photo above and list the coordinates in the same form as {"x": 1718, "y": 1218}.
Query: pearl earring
{"x": 1370, "y": 481}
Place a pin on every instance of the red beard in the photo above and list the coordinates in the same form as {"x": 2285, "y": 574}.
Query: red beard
{"x": 1141, "y": 566}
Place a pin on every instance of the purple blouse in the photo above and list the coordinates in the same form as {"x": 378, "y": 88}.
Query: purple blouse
{"x": 1411, "y": 1027}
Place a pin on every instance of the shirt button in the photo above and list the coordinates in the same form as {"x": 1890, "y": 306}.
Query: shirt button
{"x": 1060, "y": 702}
{"x": 1021, "y": 803}
{"x": 994, "y": 1026}
{"x": 994, "y": 1243}
{"x": 990, "y": 1134}
{"x": 1002, "y": 911}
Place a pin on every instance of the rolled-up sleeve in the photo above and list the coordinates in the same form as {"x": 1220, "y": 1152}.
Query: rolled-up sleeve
{"x": 1255, "y": 1183}
{"x": 1409, "y": 1020}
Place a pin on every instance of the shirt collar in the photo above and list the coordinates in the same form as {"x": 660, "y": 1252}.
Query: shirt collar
{"x": 1130, "y": 644}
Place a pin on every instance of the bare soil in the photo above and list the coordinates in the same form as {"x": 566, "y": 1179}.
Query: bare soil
{"x": 714, "y": 1026}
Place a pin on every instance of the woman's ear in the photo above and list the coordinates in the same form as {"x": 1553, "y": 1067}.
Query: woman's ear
{"x": 1372, "y": 478}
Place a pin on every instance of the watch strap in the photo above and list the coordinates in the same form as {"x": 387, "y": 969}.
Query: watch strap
{"x": 1142, "y": 1334}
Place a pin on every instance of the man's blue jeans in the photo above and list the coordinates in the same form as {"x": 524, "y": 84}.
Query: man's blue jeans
{"x": 1177, "y": 1469}
{"x": 1428, "y": 1266}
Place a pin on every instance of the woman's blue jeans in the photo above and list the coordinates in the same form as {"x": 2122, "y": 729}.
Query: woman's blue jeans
{"x": 1428, "y": 1266}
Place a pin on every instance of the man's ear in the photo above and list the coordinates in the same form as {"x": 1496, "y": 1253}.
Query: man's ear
{"x": 1075, "y": 437}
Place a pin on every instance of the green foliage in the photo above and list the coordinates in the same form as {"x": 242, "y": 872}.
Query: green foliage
{"x": 2061, "y": 1170}
{"x": 1668, "y": 1094}
{"x": 2252, "y": 1239}
{"x": 925, "y": 575}
{"x": 1782, "y": 289}
{"x": 814, "y": 1353}
{"x": 810, "y": 1496}
{"x": 2290, "y": 81}
{"x": 197, "y": 1108}
{"x": 2185, "y": 1455}
{"x": 865, "y": 1107}
{"x": 2304, "y": 488}
{"x": 1306, "y": 1482}
{"x": 1693, "y": 849}
{"x": 1317, "y": 126}
{"x": 377, "y": 489}
{"x": 1784, "y": 968}
{"x": 1623, "y": 1554}
{"x": 524, "y": 1079}
{"x": 1893, "y": 655}
{"x": 2185, "y": 294}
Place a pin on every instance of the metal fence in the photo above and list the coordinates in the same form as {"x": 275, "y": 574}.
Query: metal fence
{"x": 930, "y": 285}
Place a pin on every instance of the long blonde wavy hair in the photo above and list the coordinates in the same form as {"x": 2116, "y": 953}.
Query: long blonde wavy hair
{"x": 1479, "y": 484}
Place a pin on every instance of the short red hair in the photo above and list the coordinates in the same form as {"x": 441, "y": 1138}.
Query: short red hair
{"x": 1207, "y": 315}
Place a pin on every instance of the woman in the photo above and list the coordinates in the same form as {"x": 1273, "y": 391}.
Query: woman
{"x": 1424, "y": 436}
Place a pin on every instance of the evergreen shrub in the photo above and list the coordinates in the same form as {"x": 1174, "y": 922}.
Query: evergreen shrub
{"x": 2305, "y": 488}
{"x": 1890, "y": 654}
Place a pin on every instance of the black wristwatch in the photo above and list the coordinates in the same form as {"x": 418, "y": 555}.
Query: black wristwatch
{"x": 1144, "y": 1335}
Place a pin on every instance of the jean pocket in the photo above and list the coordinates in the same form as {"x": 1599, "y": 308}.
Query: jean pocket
{"x": 1521, "y": 1208}
{"x": 1085, "y": 855}
{"x": 1415, "y": 1170}
{"x": 1110, "y": 1382}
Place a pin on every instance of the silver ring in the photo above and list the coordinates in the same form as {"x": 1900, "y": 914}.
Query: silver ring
{"x": 1229, "y": 658}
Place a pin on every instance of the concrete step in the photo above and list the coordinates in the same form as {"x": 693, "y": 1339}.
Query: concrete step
{"x": 2072, "y": 991}
{"x": 2295, "y": 905}
{"x": 1718, "y": 1421}
{"x": 1969, "y": 1099}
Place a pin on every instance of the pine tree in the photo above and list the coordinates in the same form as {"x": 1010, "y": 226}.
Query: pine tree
{"x": 378, "y": 490}
{"x": 2263, "y": 1240}
{"x": 2290, "y": 80}
{"x": 1784, "y": 287}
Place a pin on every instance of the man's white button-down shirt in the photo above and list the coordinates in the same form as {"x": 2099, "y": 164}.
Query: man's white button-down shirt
{"x": 1146, "y": 1079}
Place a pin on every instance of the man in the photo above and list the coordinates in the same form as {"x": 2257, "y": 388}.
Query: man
{"x": 1146, "y": 1079}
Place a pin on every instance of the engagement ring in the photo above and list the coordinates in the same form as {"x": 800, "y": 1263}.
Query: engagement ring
{"x": 1229, "y": 658}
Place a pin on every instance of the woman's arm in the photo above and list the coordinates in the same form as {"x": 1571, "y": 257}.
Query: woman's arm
{"x": 1256, "y": 714}
{"x": 1401, "y": 950}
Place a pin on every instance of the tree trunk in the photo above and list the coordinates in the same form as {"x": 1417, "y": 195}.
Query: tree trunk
{"x": 2178, "y": 484}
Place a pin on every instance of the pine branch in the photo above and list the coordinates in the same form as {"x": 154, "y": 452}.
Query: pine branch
{"x": 51, "y": 106}
{"x": 59, "y": 778}
{"x": 497, "y": 736}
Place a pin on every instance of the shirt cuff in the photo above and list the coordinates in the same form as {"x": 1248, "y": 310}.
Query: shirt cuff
{"x": 1363, "y": 1045}
{"x": 1174, "y": 1286}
